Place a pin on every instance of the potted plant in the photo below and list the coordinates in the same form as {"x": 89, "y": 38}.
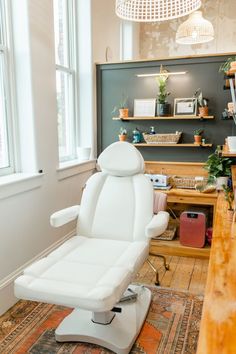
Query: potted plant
{"x": 122, "y": 107}
{"x": 197, "y": 136}
{"x": 230, "y": 63}
{"x": 123, "y": 134}
{"x": 219, "y": 169}
{"x": 225, "y": 67}
{"x": 229, "y": 197}
{"x": 202, "y": 103}
{"x": 163, "y": 107}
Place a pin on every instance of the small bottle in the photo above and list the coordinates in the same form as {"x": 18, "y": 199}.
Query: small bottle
{"x": 136, "y": 136}
{"x": 152, "y": 130}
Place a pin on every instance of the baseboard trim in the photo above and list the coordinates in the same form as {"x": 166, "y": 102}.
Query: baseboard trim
{"x": 7, "y": 298}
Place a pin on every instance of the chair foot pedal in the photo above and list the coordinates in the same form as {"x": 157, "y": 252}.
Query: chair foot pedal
{"x": 129, "y": 295}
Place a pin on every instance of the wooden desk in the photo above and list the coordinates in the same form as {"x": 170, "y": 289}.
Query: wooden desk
{"x": 182, "y": 196}
{"x": 218, "y": 324}
{"x": 188, "y": 196}
{"x": 174, "y": 247}
{"x": 176, "y": 168}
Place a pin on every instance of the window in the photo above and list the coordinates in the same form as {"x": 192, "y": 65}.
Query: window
{"x": 6, "y": 142}
{"x": 65, "y": 53}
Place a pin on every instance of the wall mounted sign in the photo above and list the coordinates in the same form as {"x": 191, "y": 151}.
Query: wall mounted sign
{"x": 145, "y": 107}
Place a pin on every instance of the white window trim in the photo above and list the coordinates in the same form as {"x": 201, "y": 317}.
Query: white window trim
{"x": 75, "y": 167}
{"x": 71, "y": 68}
{"x": 65, "y": 69}
{"x": 7, "y": 49}
{"x": 19, "y": 183}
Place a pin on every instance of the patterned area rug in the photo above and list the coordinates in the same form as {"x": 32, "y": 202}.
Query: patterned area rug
{"x": 171, "y": 327}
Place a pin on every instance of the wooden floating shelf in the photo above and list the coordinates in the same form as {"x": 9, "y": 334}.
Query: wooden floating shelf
{"x": 173, "y": 145}
{"x": 165, "y": 118}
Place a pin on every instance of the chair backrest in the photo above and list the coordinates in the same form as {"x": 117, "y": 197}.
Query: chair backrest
{"x": 117, "y": 203}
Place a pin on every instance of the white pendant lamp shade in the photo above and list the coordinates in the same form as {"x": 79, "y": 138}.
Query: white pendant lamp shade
{"x": 195, "y": 30}
{"x": 155, "y": 10}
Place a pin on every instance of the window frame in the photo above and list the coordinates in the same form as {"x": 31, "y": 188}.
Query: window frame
{"x": 6, "y": 49}
{"x": 70, "y": 69}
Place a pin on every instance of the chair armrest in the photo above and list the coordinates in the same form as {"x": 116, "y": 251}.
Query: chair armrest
{"x": 157, "y": 225}
{"x": 64, "y": 216}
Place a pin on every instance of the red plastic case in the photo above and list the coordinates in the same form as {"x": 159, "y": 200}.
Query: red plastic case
{"x": 192, "y": 229}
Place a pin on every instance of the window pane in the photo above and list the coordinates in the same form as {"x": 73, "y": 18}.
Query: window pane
{"x": 1, "y": 21}
{"x": 66, "y": 127}
{"x": 61, "y": 32}
{"x": 4, "y": 152}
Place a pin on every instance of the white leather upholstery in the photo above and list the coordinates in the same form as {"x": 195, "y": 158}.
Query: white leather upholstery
{"x": 121, "y": 159}
{"x": 92, "y": 270}
{"x": 157, "y": 225}
{"x": 116, "y": 207}
{"x": 64, "y": 216}
{"x": 84, "y": 272}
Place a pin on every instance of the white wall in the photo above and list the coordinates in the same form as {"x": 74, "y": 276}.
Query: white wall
{"x": 105, "y": 30}
{"x": 157, "y": 40}
{"x": 25, "y": 231}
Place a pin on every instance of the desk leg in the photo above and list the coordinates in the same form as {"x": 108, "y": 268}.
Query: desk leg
{"x": 154, "y": 270}
{"x": 157, "y": 282}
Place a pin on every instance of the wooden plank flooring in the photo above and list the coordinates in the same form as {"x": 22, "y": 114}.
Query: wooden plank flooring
{"x": 185, "y": 273}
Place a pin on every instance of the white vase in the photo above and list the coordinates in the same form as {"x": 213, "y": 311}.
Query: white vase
{"x": 220, "y": 181}
{"x": 83, "y": 153}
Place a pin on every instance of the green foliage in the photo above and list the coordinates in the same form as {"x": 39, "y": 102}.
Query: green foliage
{"x": 218, "y": 166}
{"x": 161, "y": 82}
{"x": 198, "y": 131}
{"x": 202, "y": 101}
{"x": 123, "y": 131}
{"x": 122, "y": 104}
{"x": 229, "y": 196}
{"x": 226, "y": 65}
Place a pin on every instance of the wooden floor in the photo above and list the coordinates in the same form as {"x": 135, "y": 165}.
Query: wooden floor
{"x": 185, "y": 273}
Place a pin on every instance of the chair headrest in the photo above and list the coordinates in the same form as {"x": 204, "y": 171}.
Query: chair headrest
{"x": 121, "y": 159}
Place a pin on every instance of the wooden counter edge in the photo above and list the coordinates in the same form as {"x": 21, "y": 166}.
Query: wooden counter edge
{"x": 217, "y": 334}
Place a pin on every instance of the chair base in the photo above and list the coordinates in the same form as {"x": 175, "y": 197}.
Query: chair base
{"x": 118, "y": 336}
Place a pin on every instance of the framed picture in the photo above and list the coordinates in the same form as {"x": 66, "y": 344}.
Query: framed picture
{"x": 145, "y": 107}
{"x": 185, "y": 107}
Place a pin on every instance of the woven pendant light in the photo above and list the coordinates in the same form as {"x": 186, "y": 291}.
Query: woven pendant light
{"x": 195, "y": 30}
{"x": 155, "y": 10}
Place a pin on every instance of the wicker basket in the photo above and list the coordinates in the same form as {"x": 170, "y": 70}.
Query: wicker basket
{"x": 162, "y": 138}
{"x": 188, "y": 182}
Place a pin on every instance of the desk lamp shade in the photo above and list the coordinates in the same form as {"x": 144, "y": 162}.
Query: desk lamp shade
{"x": 195, "y": 30}
{"x": 155, "y": 10}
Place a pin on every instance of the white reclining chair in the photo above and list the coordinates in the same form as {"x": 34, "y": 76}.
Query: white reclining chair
{"x": 91, "y": 271}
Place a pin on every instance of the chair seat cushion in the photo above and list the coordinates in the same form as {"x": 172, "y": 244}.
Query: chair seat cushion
{"x": 84, "y": 272}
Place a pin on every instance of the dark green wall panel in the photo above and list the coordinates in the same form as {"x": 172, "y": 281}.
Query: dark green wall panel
{"x": 115, "y": 79}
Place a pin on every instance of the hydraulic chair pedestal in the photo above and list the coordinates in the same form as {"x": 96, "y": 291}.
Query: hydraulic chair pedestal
{"x": 119, "y": 335}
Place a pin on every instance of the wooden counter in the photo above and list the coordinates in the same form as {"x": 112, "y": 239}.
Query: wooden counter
{"x": 218, "y": 324}
{"x": 181, "y": 196}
